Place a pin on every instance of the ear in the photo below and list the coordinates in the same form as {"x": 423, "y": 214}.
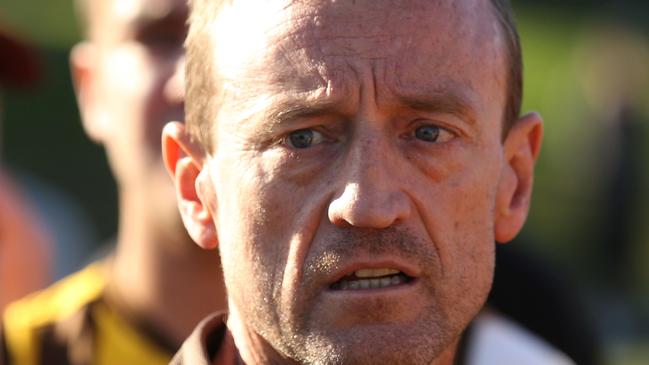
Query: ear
{"x": 83, "y": 64}
{"x": 185, "y": 161}
{"x": 521, "y": 148}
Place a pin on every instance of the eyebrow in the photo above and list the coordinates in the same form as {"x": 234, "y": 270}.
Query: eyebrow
{"x": 436, "y": 101}
{"x": 446, "y": 102}
{"x": 291, "y": 110}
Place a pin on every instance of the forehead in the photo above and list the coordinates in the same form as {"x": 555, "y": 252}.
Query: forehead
{"x": 407, "y": 46}
{"x": 114, "y": 17}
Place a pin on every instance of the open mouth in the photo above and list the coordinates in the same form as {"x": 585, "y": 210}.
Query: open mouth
{"x": 371, "y": 279}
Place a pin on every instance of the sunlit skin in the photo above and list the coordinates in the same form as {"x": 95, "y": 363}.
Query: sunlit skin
{"x": 356, "y": 135}
{"x": 129, "y": 80}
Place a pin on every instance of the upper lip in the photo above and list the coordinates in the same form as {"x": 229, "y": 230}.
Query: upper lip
{"x": 396, "y": 264}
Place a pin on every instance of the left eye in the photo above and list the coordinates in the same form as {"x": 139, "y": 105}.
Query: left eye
{"x": 432, "y": 133}
{"x": 304, "y": 138}
{"x": 428, "y": 133}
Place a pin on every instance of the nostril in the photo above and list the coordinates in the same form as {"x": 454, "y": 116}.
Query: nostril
{"x": 364, "y": 207}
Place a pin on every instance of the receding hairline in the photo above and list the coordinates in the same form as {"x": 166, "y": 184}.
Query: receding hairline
{"x": 202, "y": 92}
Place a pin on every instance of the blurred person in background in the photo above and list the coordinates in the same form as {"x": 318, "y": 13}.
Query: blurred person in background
{"x": 134, "y": 307}
{"x": 25, "y": 244}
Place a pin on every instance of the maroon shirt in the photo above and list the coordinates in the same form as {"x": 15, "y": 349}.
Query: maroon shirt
{"x": 210, "y": 344}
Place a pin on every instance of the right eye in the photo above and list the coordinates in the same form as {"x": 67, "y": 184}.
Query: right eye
{"x": 163, "y": 42}
{"x": 304, "y": 138}
{"x": 163, "y": 37}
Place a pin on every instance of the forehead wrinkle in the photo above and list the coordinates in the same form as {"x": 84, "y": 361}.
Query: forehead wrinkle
{"x": 478, "y": 50}
{"x": 304, "y": 48}
{"x": 330, "y": 31}
{"x": 303, "y": 74}
{"x": 278, "y": 110}
{"x": 446, "y": 102}
{"x": 325, "y": 36}
{"x": 320, "y": 101}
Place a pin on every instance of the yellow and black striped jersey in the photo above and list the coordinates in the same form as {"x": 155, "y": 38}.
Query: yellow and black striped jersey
{"x": 71, "y": 323}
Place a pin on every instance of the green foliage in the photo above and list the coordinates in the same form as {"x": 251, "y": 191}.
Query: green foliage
{"x": 48, "y": 23}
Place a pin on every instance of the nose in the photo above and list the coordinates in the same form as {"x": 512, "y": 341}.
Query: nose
{"x": 373, "y": 194}
{"x": 174, "y": 88}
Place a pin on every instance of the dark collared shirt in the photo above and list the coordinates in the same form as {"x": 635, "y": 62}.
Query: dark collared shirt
{"x": 210, "y": 344}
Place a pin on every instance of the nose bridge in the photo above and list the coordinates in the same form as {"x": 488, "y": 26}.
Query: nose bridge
{"x": 367, "y": 159}
{"x": 372, "y": 192}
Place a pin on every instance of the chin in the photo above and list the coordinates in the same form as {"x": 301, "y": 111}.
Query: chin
{"x": 379, "y": 344}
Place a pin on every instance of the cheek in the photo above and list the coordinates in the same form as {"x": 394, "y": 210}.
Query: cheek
{"x": 252, "y": 221}
{"x": 457, "y": 208}
{"x": 471, "y": 253}
{"x": 458, "y": 216}
{"x": 267, "y": 216}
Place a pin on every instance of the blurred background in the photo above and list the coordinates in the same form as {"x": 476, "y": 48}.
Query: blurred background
{"x": 586, "y": 72}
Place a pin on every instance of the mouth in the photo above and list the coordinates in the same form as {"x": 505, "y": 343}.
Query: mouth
{"x": 376, "y": 278}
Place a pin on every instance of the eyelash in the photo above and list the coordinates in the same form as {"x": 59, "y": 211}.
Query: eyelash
{"x": 419, "y": 123}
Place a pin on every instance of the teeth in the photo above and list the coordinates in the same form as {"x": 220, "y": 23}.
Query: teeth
{"x": 373, "y": 273}
{"x": 375, "y": 283}
{"x": 386, "y": 281}
{"x": 395, "y": 280}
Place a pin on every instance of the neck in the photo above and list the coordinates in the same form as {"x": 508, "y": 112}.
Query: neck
{"x": 252, "y": 348}
{"x": 167, "y": 283}
{"x": 447, "y": 357}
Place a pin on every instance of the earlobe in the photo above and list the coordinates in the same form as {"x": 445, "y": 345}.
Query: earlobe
{"x": 521, "y": 149}
{"x": 184, "y": 160}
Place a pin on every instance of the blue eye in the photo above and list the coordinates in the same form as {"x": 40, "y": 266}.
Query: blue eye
{"x": 304, "y": 138}
{"x": 427, "y": 133}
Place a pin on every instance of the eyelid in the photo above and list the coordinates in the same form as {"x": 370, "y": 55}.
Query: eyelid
{"x": 421, "y": 122}
{"x": 448, "y": 123}
{"x": 328, "y": 133}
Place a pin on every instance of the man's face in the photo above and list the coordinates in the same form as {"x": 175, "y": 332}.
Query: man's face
{"x": 357, "y": 161}
{"x": 129, "y": 81}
